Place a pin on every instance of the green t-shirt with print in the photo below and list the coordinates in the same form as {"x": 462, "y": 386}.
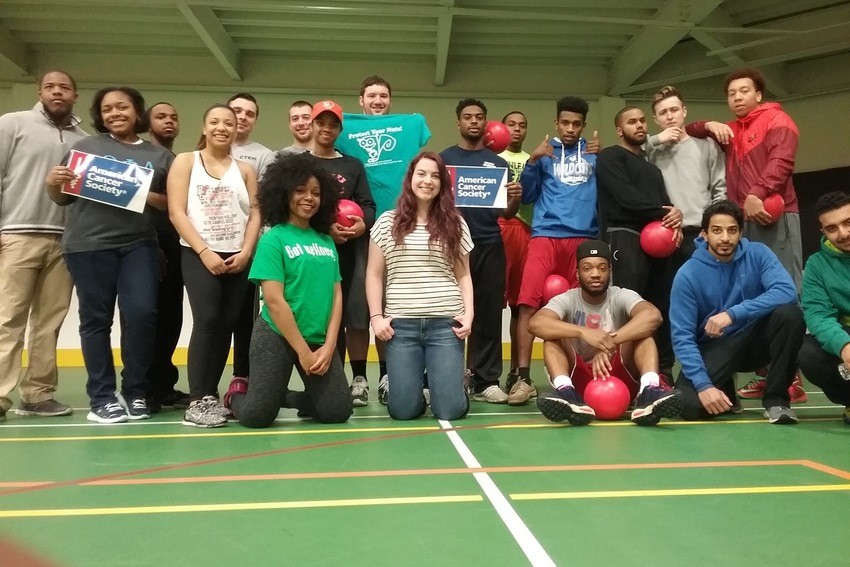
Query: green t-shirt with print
{"x": 305, "y": 261}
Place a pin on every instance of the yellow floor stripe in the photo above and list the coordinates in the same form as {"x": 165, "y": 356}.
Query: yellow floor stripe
{"x": 240, "y": 506}
{"x": 680, "y": 492}
{"x": 245, "y": 433}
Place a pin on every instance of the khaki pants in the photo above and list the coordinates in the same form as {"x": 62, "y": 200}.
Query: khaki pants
{"x": 35, "y": 287}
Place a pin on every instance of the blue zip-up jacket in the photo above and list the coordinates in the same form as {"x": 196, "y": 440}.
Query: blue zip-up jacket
{"x": 747, "y": 288}
{"x": 563, "y": 190}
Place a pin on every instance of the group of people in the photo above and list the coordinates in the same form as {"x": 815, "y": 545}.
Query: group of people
{"x": 255, "y": 238}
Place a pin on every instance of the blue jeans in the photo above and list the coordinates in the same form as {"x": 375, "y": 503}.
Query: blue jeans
{"x": 129, "y": 274}
{"x": 419, "y": 345}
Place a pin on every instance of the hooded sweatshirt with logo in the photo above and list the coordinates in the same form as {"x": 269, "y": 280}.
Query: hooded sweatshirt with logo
{"x": 563, "y": 190}
{"x": 748, "y": 288}
{"x": 760, "y": 158}
{"x": 826, "y": 297}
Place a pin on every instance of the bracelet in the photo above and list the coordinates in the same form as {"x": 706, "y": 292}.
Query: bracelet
{"x": 376, "y": 315}
{"x": 202, "y": 251}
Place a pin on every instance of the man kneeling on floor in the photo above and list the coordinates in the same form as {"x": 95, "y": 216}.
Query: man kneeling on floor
{"x": 594, "y": 332}
{"x": 825, "y": 356}
{"x": 733, "y": 308}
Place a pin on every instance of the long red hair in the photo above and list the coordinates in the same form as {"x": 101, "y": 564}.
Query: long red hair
{"x": 444, "y": 222}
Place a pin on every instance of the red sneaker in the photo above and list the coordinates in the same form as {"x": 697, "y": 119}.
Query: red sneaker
{"x": 796, "y": 391}
{"x": 754, "y": 389}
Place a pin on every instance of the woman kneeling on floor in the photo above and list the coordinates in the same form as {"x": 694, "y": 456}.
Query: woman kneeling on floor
{"x": 297, "y": 269}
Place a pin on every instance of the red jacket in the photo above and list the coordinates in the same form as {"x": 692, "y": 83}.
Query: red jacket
{"x": 760, "y": 159}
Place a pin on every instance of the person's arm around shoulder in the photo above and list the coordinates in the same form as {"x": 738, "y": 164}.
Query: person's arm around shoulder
{"x": 239, "y": 261}
{"x": 717, "y": 131}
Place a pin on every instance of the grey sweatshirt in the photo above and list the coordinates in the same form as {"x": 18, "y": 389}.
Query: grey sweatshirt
{"x": 694, "y": 173}
{"x": 30, "y": 145}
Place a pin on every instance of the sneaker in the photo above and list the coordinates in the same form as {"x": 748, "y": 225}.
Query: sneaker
{"x": 384, "y": 389}
{"x": 113, "y": 412}
{"x": 426, "y": 393}
{"x": 175, "y": 399}
{"x": 136, "y": 408}
{"x": 359, "y": 391}
{"x": 754, "y": 389}
{"x": 492, "y": 394}
{"x": 780, "y": 415}
{"x": 565, "y": 404}
{"x": 521, "y": 392}
{"x": 238, "y": 385}
{"x": 2, "y": 415}
{"x": 468, "y": 382}
{"x": 46, "y": 408}
{"x": 737, "y": 407}
{"x": 845, "y": 416}
{"x": 796, "y": 392}
{"x": 653, "y": 403}
{"x": 204, "y": 413}
{"x": 512, "y": 379}
{"x": 222, "y": 410}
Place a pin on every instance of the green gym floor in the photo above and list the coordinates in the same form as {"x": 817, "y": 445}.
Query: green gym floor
{"x": 502, "y": 487}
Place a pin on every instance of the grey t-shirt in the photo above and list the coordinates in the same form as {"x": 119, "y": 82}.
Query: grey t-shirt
{"x": 95, "y": 226}
{"x": 254, "y": 154}
{"x": 292, "y": 150}
{"x": 608, "y": 316}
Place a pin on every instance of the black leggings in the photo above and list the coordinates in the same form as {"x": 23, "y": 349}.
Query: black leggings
{"x": 326, "y": 398}
{"x": 216, "y": 302}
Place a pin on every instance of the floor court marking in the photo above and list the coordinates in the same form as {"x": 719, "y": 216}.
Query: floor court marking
{"x": 681, "y": 492}
{"x": 239, "y": 506}
{"x": 232, "y": 458}
{"x": 444, "y": 471}
{"x": 529, "y": 424}
{"x": 532, "y": 549}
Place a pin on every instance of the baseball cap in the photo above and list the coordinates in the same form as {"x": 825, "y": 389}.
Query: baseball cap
{"x": 326, "y": 106}
{"x": 593, "y": 249}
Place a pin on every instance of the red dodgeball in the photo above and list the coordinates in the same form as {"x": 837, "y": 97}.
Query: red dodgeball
{"x": 347, "y": 207}
{"x": 497, "y": 137}
{"x": 554, "y": 285}
{"x": 657, "y": 240}
{"x": 775, "y": 206}
{"x": 609, "y": 398}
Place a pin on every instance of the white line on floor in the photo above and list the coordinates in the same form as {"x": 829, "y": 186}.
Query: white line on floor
{"x": 523, "y": 536}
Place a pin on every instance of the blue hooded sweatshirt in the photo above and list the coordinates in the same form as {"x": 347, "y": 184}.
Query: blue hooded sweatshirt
{"x": 747, "y": 288}
{"x": 563, "y": 190}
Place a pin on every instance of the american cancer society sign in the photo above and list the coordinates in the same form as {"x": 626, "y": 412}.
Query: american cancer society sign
{"x": 479, "y": 186}
{"x": 109, "y": 181}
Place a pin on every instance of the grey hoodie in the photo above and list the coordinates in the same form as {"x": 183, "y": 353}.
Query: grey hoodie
{"x": 30, "y": 145}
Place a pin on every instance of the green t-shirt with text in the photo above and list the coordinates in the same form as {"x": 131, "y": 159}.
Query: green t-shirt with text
{"x": 305, "y": 261}
{"x": 385, "y": 144}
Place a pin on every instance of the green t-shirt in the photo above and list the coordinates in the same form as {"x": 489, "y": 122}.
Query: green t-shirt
{"x": 385, "y": 144}
{"x": 306, "y": 262}
{"x": 516, "y": 163}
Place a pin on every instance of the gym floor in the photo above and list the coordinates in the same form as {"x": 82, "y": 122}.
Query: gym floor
{"x": 502, "y": 487}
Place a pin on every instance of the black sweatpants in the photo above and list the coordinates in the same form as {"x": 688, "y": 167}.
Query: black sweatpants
{"x": 773, "y": 341}
{"x": 326, "y": 398}
{"x": 242, "y": 331}
{"x": 651, "y": 278}
{"x": 163, "y": 374}
{"x": 216, "y": 302}
{"x": 821, "y": 369}
{"x": 487, "y": 268}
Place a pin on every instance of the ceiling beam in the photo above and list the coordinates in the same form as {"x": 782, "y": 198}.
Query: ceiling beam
{"x": 214, "y": 36}
{"x": 14, "y": 52}
{"x": 653, "y": 41}
{"x": 444, "y": 38}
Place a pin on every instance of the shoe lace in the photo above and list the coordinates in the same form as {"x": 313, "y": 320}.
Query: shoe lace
{"x": 113, "y": 407}
{"x": 358, "y": 387}
{"x": 139, "y": 404}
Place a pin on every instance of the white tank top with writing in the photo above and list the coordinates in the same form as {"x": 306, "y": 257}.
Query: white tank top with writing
{"x": 218, "y": 208}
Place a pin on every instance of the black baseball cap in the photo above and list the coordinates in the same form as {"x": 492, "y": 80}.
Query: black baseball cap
{"x": 593, "y": 249}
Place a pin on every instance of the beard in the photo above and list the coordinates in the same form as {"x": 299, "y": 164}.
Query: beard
{"x": 595, "y": 292}
{"x": 633, "y": 140}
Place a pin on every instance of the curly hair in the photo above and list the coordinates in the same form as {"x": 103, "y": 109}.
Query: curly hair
{"x": 137, "y": 100}
{"x": 444, "y": 222}
{"x": 279, "y": 181}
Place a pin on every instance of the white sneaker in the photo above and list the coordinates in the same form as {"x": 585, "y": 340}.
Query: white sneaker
{"x": 384, "y": 389}
{"x": 359, "y": 391}
{"x": 492, "y": 395}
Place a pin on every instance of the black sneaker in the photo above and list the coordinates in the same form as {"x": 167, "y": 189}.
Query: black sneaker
{"x": 175, "y": 399}
{"x": 113, "y": 412}
{"x": 780, "y": 415}
{"x": 565, "y": 404}
{"x": 846, "y": 415}
{"x": 655, "y": 402}
{"x": 45, "y": 408}
{"x": 136, "y": 409}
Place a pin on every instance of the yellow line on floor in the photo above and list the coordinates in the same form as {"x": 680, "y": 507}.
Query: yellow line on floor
{"x": 239, "y": 506}
{"x": 194, "y": 435}
{"x": 680, "y": 492}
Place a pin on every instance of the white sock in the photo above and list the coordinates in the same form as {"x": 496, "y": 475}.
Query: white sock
{"x": 562, "y": 381}
{"x": 649, "y": 379}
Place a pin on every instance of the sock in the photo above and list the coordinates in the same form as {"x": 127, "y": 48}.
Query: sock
{"x": 562, "y": 381}
{"x": 358, "y": 367}
{"x": 524, "y": 372}
{"x": 382, "y": 364}
{"x": 649, "y": 379}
